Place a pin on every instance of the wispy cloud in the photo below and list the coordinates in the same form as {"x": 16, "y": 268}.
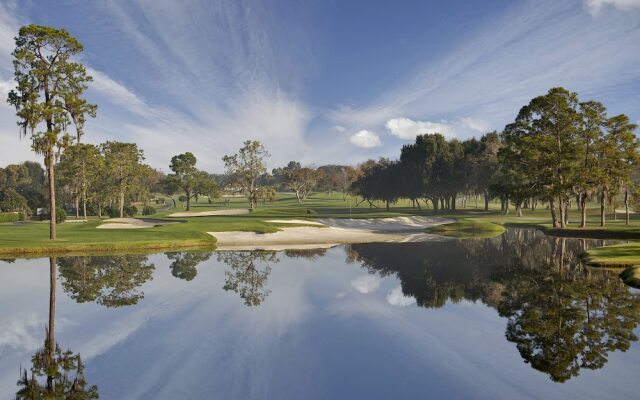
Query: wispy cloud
{"x": 596, "y": 6}
{"x": 511, "y": 59}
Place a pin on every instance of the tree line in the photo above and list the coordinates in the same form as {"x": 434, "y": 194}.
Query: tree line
{"x": 558, "y": 149}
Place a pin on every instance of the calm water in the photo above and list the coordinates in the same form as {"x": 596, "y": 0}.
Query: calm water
{"x": 510, "y": 317}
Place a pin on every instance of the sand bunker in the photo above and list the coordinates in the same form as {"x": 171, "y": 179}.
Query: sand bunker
{"x": 231, "y": 211}
{"x": 294, "y": 222}
{"x": 131, "y": 223}
{"x": 337, "y": 231}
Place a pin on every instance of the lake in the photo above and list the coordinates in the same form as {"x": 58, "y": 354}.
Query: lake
{"x": 515, "y": 316}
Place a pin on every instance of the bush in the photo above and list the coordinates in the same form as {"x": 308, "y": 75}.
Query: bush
{"x": 61, "y": 215}
{"x": 130, "y": 211}
{"x": 182, "y": 198}
{"x": 11, "y": 216}
{"x": 148, "y": 210}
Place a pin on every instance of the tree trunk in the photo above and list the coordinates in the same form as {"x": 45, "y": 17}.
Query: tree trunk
{"x": 188, "y": 195}
{"x": 582, "y": 203}
{"x": 486, "y": 200}
{"x": 435, "y": 204}
{"x": 626, "y": 206}
{"x": 77, "y": 204}
{"x": 453, "y": 202}
{"x": 387, "y": 205}
{"x": 561, "y": 207}
{"x": 554, "y": 216}
{"x": 51, "y": 334}
{"x": 121, "y": 203}
{"x": 52, "y": 196}
{"x": 298, "y": 196}
{"x": 84, "y": 206}
{"x": 602, "y": 209}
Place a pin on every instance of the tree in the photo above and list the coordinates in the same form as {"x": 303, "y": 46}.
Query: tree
{"x": 301, "y": 180}
{"x": 47, "y": 80}
{"x": 544, "y": 140}
{"x": 10, "y": 200}
{"x": 590, "y": 138}
{"x": 246, "y": 166}
{"x": 122, "y": 163}
{"x": 79, "y": 167}
{"x": 619, "y": 157}
{"x": 184, "y": 172}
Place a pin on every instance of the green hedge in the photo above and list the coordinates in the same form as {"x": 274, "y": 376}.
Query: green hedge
{"x": 11, "y": 217}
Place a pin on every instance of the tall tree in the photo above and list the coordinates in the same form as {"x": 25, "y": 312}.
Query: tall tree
{"x": 246, "y": 166}
{"x": 79, "y": 167}
{"x": 184, "y": 173}
{"x": 122, "y": 161}
{"x": 543, "y": 137}
{"x": 619, "y": 157}
{"x": 46, "y": 79}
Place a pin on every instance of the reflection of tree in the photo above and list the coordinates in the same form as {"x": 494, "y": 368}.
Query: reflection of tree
{"x": 244, "y": 277}
{"x": 54, "y": 374}
{"x": 112, "y": 281}
{"x": 184, "y": 264}
{"x": 310, "y": 254}
{"x": 562, "y": 316}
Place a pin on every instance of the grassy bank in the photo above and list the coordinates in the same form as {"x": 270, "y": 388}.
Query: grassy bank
{"x": 21, "y": 239}
{"x": 465, "y": 228}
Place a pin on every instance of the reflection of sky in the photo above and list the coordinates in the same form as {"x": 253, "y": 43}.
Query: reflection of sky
{"x": 317, "y": 335}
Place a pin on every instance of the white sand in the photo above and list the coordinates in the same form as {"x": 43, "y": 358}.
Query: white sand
{"x": 294, "y": 222}
{"x": 231, "y": 211}
{"x": 129, "y": 223}
{"x": 400, "y": 229}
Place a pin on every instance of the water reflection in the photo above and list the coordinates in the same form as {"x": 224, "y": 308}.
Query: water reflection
{"x": 183, "y": 264}
{"x": 54, "y": 374}
{"x": 245, "y": 276}
{"x": 561, "y": 315}
{"x": 111, "y": 281}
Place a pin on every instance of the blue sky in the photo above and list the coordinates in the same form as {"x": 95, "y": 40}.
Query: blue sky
{"x": 326, "y": 81}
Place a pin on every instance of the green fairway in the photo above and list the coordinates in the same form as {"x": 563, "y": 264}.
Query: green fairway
{"x": 31, "y": 238}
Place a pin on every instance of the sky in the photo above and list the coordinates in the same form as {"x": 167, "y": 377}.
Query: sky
{"x": 325, "y": 81}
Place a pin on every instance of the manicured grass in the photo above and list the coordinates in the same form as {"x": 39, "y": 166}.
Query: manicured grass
{"x": 465, "y": 228}
{"x": 616, "y": 255}
{"x": 32, "y": 238}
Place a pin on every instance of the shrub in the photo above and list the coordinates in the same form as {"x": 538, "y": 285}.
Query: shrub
{"x": 130, "y": 211}
{"x": 61, "y": 215}
{"x": 11, "y": 216}
{"x": 148, "y": 210}
{"x": 182, "y": 198}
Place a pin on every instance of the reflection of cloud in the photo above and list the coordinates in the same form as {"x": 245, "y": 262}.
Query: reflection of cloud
{"x": 366, "y": 283}
{"x": 396, "y": 298}
{"x": 23, "y": 333}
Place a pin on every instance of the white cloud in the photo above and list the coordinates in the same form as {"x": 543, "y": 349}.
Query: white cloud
{"x": 396, "y": 298}
{"x": 595, "y": 6}
{"x": 366, "y": 283}
{"x": 365, "y": 139}
{"x": 408, "y": 129}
